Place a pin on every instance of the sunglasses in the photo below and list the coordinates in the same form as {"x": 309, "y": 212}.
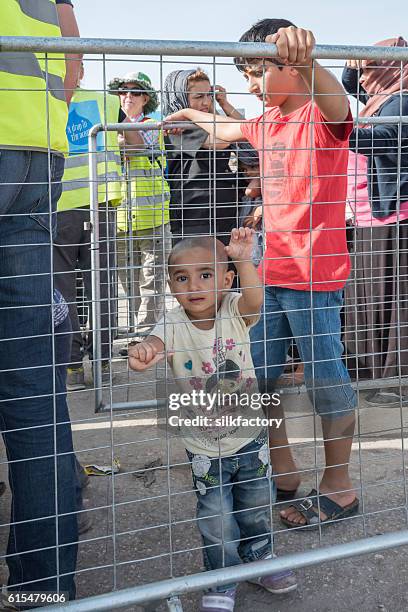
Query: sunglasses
{"x": 133, "y": 92}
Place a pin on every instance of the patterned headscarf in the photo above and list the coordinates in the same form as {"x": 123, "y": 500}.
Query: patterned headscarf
{"x": 384, "y": 78}
{"x": 175, "y": 96}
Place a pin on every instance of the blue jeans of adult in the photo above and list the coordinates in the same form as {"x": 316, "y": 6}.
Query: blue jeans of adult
{"x": 63, "y": 347}
{"x": 34, "y": 419}
{"x": 234, "y": 495}
{"x": 313, "y": 319}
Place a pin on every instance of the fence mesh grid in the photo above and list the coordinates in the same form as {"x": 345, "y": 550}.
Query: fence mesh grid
{"x": 146, "y": 510}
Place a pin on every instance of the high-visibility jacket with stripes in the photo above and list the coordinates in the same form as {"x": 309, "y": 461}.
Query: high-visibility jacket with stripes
{"x": 88, "y": 108}
{"x": 32, "y": 97}
{"x": 150, "y": 193}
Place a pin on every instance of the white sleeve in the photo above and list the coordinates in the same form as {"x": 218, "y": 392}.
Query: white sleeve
{"x": 164, "y": 330}
{"x": 231, "y": 303}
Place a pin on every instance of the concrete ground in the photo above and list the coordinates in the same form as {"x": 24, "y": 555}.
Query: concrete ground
{"x": 151, "y": 534}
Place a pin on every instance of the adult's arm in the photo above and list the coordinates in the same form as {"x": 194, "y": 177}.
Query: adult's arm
{"x": 69, "y": 27}
{"x": 383, "y": 139}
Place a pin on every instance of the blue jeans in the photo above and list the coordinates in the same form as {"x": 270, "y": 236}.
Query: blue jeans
{"x": 313, "y": 319}
{"x": 34, "y": 417}
{"x": 234, "y": 495}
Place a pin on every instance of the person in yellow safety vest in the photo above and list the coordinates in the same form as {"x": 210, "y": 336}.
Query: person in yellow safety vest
{"x": 73, "y": 242}
{"x": 34, "y": 88}
{"x": 149, "y": 233}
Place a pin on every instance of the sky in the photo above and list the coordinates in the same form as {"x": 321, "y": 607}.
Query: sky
{"x": 354, "y": 22}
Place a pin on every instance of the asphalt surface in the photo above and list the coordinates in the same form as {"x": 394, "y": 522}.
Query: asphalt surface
{"x": 151, "y": 533}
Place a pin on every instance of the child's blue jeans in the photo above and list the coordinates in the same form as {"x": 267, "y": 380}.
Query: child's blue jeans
{"x": 234, "y": 495}
{"x": 313, "y": 319}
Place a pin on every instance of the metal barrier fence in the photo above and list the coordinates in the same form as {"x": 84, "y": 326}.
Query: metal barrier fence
{"x": 148, "y": 527}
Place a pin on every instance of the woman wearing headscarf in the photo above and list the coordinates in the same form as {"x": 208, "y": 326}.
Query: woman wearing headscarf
{"x": 203, "y": 186}
{"x": 376, "y": 312}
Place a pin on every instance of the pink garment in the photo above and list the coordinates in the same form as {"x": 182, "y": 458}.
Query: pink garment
{"x": 358, "y": 203}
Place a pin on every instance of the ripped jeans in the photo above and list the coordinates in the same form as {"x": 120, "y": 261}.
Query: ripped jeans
{"x": 234, "y": 517}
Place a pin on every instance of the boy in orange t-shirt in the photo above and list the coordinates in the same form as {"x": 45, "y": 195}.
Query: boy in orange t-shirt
{"x": 302, "y": 140}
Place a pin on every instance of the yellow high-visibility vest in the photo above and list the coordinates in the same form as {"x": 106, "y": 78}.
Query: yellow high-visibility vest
{"x": 32, "y": 97}
{"x": 150, "y": 193}
{"x": 87, "y": 109}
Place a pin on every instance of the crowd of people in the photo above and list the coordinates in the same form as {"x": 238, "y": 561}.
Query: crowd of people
{"x": 255, "y": 226}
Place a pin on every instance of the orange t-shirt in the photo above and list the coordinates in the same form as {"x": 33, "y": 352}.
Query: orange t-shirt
{"x": 304, "y": 187}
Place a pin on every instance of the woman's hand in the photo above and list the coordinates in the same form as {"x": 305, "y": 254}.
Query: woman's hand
{"x": 356, "y": 64}
{"x": 220, "y": 95}
{"x": 178, "y": 117}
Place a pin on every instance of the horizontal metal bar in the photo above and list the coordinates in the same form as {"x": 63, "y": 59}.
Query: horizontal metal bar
{"x": 361, "y": 385}
{"x": 158, "y": 125}
{"x": 138, "y": 127}
{"x": 123, "y": 406}
{"x": 239, "y": 573}
{"x": 391, "y": 119}
{"x": 118, "y": 46}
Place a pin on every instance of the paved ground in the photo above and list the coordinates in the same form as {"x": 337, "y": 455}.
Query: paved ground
{"x": 131, "y": 546}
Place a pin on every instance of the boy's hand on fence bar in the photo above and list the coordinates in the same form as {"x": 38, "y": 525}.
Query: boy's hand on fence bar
{"x": 144, "y": 355}
{"x": 241, "y": 244}
{"x": 294, "y": 45}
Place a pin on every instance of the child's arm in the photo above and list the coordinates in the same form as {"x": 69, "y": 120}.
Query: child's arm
{"x": 240, "y": 251}
{"x": 146, "y": 354}
{"x": 217, "y": 126}
{"x": 295, "y": 46}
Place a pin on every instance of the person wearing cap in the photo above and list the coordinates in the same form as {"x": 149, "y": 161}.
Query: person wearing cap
{"x": 143, "y": 222}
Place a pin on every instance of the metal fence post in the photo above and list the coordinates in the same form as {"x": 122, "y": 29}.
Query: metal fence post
{"x": 95, "y": 265}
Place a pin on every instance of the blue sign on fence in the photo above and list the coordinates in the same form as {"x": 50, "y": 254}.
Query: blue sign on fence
{"x": 82, "y": 117}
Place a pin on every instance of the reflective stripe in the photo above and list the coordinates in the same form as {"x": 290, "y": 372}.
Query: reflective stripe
{"x": 42, "y": 10}
{"x": 78, "y": 161}
{"x": 146, "y": 172}
{"x": 85, "y": 184}
{"x": 149, "y": 200}
{"x": 26, "y": 64}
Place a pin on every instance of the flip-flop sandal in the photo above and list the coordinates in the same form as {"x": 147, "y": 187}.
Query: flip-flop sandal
{"x": 308, "y": 508}
{"x": 283, "y": 495}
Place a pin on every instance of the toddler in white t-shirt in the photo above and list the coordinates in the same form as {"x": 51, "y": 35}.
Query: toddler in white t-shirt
{"x": 206, "y": 341}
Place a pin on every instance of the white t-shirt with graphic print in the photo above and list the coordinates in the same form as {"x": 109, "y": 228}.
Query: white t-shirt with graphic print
{"x": 217, "y": 361}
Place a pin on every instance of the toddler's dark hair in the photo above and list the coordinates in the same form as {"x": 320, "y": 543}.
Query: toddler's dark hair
{"x": 257, "y": 33}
